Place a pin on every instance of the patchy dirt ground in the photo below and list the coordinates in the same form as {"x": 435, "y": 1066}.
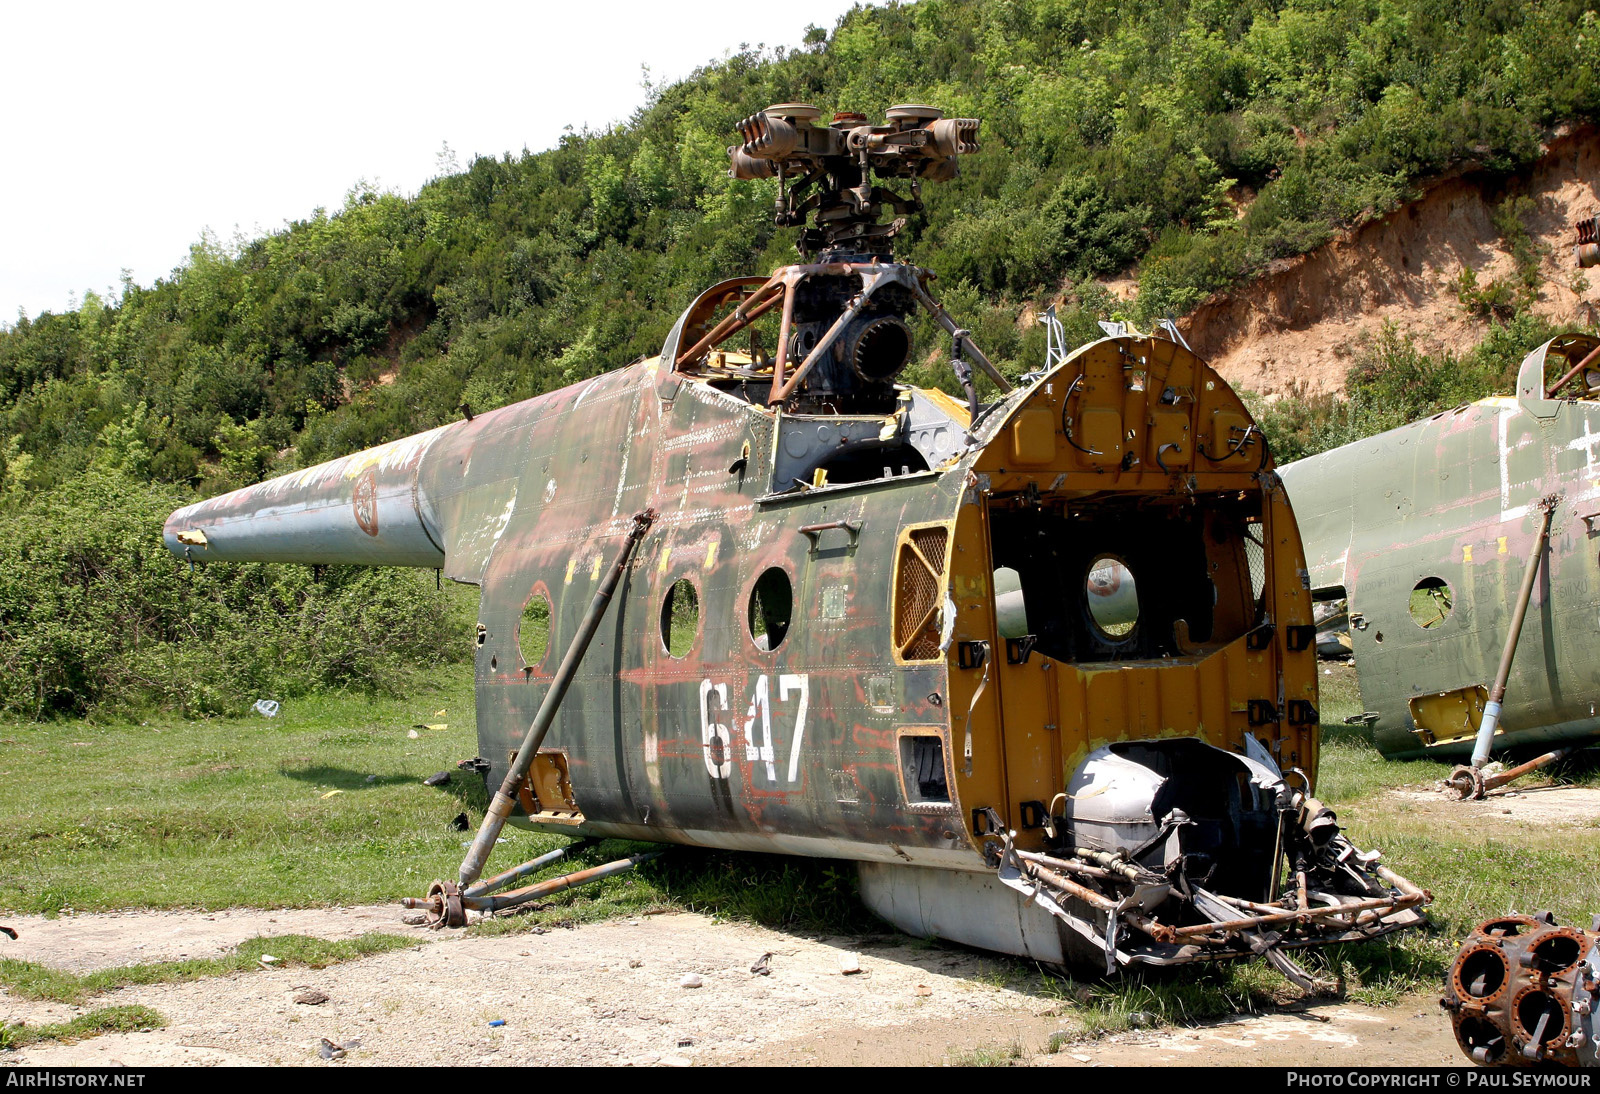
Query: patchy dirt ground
{"x": 613, "y": 993}
{"x": 1543, "y": 807}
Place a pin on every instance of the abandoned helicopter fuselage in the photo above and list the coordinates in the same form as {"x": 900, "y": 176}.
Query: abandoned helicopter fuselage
{"x": 855, "y": 619}
{"x": 1428, "y": 530}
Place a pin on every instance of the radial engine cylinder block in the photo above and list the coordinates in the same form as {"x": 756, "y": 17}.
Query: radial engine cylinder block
{"x": 1523, "y": 990}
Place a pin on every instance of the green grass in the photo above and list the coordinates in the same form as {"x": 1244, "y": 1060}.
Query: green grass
{"x": 816, "y": 895}
{"x": 241, "y": 813}
{"x": 236, "y": 812}
{"x": 34, "y": 981}
{"x": 105, "y": 1020}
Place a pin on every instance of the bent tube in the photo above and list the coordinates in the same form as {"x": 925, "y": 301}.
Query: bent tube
{"x": 500, "y": 901}
{"x": 533, "y": 866}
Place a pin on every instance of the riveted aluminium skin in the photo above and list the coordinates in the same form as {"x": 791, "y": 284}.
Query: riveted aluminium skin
{"x": 534, "y": 499}
{"x": 1456, "y": 497}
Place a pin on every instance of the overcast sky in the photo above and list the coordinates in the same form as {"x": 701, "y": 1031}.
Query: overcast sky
{"x": 133, "y": 127}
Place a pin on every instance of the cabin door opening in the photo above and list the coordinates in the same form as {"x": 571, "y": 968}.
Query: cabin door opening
{"x": 1090, "y": 582}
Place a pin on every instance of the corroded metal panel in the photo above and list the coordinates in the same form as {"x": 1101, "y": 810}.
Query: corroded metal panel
{"x": 1453, "y": 499}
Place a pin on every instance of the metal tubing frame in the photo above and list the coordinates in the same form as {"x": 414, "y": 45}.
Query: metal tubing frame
{"x": 505, "y": 799}
{"x": 743, "y": 313}
{"x": 780, "y": 362}
{"x": 1588, "y": 359}
{"x": 533, "y": 866}
{"x": 500, "y": 901}
{"x": 781, "y": 287}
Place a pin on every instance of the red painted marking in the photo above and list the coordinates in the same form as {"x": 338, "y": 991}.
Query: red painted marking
{"x": 365, "y": 502}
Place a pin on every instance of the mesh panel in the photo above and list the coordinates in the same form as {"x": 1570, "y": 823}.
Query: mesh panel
{"x": 930, "y": 541}
{"x": 1255, "y": 554}
{"x": 916, "y": 593}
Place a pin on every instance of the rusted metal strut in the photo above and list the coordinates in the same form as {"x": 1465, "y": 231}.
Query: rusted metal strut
{"x": 447, "y": 905}
{"x": 533, "y": 866}
{"x": 1472, "y": 783}
{"x": 1468, "y": 781}
{"x": 1588, "y": 359}
{"x": 494, "y": 902}
{"x": 506, "y": 798}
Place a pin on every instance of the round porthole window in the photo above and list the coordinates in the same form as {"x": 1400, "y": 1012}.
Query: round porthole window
{"x": 680, "y": 618}
{"x": 1431, "y": 602}
{"x": 533, "y": 630}
{"x": 1112, "y": 597}
{"x": 771, "y": 607}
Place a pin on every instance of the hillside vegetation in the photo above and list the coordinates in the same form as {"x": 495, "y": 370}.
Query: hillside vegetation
{"x": 1193, "y": 141}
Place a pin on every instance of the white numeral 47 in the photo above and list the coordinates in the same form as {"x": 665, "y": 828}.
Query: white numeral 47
{"x": 716, "y": 734}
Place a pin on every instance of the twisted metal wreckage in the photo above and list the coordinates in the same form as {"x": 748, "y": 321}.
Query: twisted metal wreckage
{"x": 905, "y": 648}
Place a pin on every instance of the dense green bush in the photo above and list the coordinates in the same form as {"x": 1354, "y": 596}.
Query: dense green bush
{"x": 96, "y": 616}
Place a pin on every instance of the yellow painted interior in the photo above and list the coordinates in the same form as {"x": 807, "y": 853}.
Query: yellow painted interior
{"x": 1033, "y": 723}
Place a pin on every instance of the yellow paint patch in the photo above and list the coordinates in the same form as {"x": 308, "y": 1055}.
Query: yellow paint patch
{"x": 1502, "y": 544}
{"x": 572, "y": 564}
{"x": 594, "y": 571}
{"x": 711, "y": 552}
{"x": 1466, "y": 553}
{"x": 957, "y": 412}
{"x": 666, "y": 556}
{"x": 970, "y": 586}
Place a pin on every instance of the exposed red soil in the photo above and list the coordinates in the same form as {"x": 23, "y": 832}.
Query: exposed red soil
{"x": 1298, "y": 328}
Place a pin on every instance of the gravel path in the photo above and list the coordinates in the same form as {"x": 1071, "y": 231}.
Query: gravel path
{"x": 614, "y": 993}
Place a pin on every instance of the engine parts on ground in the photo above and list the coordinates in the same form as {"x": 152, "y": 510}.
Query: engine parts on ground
{"x": 1522, "y": 991}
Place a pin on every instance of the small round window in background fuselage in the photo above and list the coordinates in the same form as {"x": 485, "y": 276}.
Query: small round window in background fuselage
{"x": 1112, "y": 597}
{"x": 1431, "y": 602}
